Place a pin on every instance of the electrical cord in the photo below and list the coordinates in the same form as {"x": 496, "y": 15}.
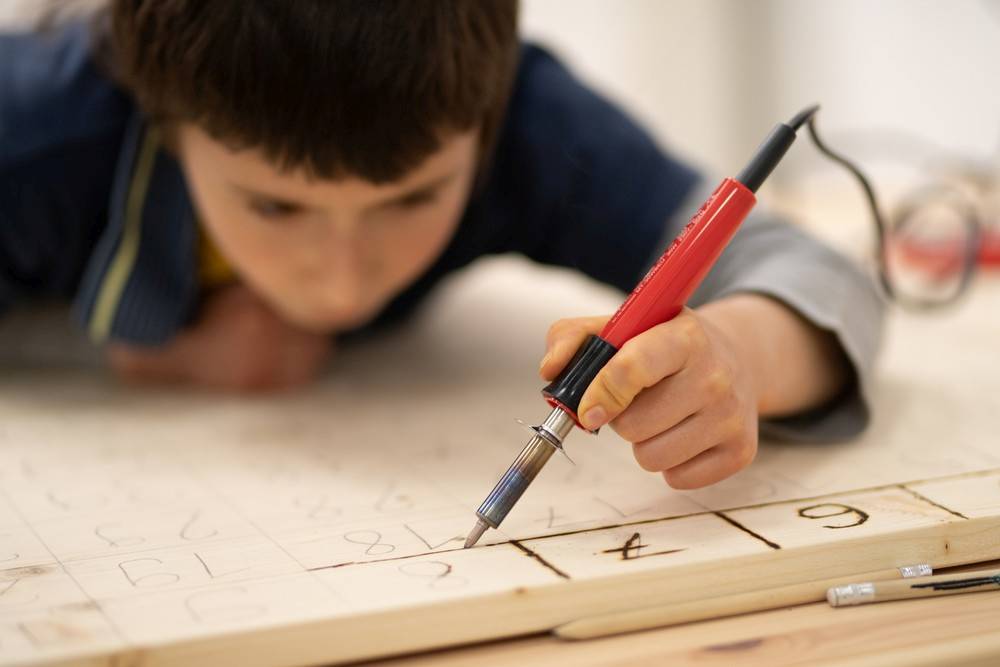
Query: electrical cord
{"x": 883, "y": 233}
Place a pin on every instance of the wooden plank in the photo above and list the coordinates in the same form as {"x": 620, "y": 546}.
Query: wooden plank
{"x": 532, "y": 609}
{"x": 167, "y": 528}
{"x": 917, "y": 633}
{"x": 969, "y": 495}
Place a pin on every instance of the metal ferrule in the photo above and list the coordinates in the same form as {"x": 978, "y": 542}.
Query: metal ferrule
{"x": 548, "y": 438}
{"x": 556, "y": 427}
{"x": 921, "y": 570}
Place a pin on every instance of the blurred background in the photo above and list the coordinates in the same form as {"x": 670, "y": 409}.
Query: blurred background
{"x": 909, "y": 88}
{"x": 897, "y": 78}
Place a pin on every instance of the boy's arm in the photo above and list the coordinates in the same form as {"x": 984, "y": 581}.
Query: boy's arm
{"x": 826, "y": 291}
{"x": 795, "y": 365}
{"x": 238, "y": 343}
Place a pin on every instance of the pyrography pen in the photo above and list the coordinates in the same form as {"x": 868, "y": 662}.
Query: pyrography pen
{"x": 658, "y": 297}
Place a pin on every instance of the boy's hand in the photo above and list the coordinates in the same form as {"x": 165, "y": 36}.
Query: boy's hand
{"x": 679, "y": 392}
{"x": 687, "y": 393}
{"x": 238, "y": 343}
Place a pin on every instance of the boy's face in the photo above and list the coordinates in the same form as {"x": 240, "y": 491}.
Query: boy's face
{"x": 327, "y": 255}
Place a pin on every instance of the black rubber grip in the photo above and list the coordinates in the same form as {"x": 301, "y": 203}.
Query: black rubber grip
{"x": 588, "y": 361}
{"x": 767, "y": 157}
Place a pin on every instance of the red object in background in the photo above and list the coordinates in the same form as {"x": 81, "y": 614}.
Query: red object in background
{"x": 943, "y": 257}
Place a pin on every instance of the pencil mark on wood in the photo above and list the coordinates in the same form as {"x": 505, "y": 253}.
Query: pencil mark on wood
{"x": 439, "y": 573}
{"x": 815, "y": 512}
{"x": 372, "y": 539}
{"x": 166, "y": 578}
{"x": 920, "y": 496}
{"x": 616, "y": 510}
{"x": 389, "y": 496}
{"x": 551, "y": 519}
{"x": 531, "y": 553}
{"x": 188, "y": 533}
{"x": 115, "y": 542}
{"x": 736, "y": 524}
{"x": 29, "y": 634}
{"x": 215, "y": 575}
{"x": 610, "y": 507}
{"x": 432, "y": 547}
{"x": 6, "y": 588}
{"x": 61, "y": 504}
{"x": 69, "y": 505}
{"x": 320, "y": 509}
{"x": 11, "y": 555}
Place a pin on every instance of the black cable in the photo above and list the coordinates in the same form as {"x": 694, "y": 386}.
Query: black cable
{"x": 801, "y": 117}
{"x": 769, "y": 153}
{"x": 882, "y": 229}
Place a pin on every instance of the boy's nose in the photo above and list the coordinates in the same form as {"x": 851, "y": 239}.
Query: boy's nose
{"x": 343, "y": 289}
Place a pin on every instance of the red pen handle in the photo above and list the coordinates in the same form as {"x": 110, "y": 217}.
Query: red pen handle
{"x": 661, "y": 294}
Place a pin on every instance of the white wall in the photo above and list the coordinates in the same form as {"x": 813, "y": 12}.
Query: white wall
{"x": 710, "y": 77}
{"x": 669, "y": 61}
{"x": 20, "y": 13}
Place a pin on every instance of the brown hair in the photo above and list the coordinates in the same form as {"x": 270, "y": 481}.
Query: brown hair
{"x": 338, "y": 87}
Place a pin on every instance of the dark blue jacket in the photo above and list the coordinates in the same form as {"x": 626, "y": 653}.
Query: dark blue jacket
{"x": 92, "y": 210}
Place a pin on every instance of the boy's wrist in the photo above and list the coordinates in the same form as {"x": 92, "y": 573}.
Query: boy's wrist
{"x": 793, "y": 364}
{"x": 738, "y": 317}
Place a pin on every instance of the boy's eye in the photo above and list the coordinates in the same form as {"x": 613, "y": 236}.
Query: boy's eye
{"x": 273, "y": 209}
{"x": 416, "y": 199}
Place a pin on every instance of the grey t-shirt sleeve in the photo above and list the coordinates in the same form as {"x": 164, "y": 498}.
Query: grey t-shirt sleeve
{"x": 772, "y": 257}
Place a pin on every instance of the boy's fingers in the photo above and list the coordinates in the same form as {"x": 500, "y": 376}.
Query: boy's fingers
{"x": 563, "y": 340}
{"x": 711, "y": 466}
{"x": 692, "y": 436}
{"x": 673, "y": 447}
{"x": 643, "y": 361}
{"x": 136, "y": 364}
{"x": 660, "y": 408}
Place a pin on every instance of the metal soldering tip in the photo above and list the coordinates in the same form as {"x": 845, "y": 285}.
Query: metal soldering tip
{"x": 476, "y": 533}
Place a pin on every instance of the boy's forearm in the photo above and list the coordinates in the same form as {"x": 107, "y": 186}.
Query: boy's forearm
{"x": 795, "y": 365}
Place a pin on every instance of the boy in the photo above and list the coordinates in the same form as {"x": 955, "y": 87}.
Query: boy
{"x": 237, "y": 181}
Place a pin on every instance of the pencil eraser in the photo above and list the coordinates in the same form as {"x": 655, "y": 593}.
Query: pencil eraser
{"x": 841, "y": 596}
